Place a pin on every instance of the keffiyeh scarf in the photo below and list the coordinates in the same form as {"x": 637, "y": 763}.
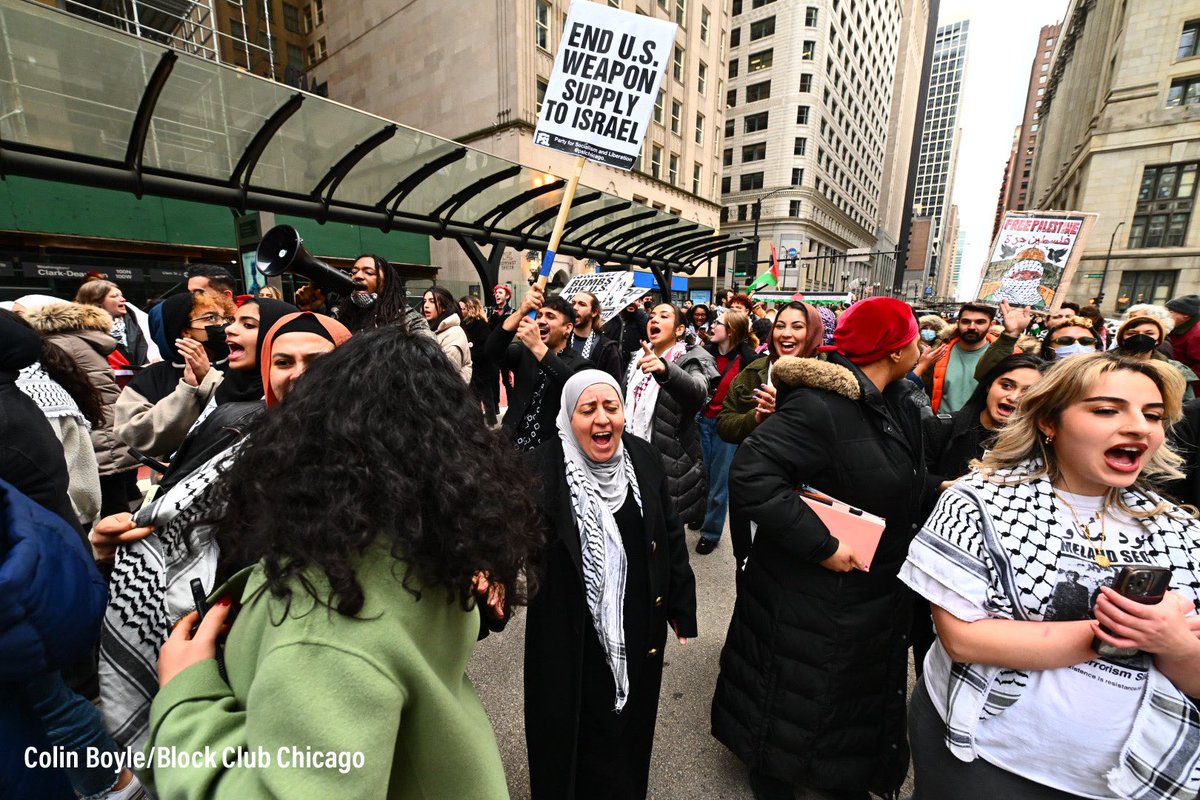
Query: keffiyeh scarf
{"x": 641, "y": 394}
{"x": 51, "y": 398}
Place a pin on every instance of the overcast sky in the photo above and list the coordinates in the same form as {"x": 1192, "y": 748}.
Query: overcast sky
{"x": 1000, "y": 49}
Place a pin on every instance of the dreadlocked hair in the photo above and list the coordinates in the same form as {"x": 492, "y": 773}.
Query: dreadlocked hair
{"x": 358, "y": 452}
{"x": 388, "y": 308}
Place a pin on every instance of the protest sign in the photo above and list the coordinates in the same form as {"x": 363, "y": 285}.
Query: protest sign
{"x": 609, "y": 288}
{"x": 606, "y": 77}
{"x": 1034, "y": 257}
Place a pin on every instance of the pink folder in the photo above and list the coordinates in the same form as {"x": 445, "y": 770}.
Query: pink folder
{"x": 860, "y": 530}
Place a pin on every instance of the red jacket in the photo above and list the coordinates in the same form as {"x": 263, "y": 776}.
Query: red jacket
{"x": 1186, "y": 347}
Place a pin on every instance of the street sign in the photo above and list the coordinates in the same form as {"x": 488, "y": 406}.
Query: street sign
{"x": 791, "y": 252}
{"x": 858, "y": 255}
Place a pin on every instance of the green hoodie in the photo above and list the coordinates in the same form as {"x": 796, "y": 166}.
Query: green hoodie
{"x": 390, "y": 685}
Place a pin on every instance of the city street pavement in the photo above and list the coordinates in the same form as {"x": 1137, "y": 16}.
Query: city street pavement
{"x": 688, "y": 762}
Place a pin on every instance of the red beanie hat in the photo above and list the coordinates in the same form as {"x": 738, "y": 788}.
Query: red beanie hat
{"x": 872, "y": 328}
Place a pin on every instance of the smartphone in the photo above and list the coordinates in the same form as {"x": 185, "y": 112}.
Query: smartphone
{"x": 1143, "y": 584}
{"x": 200, "y": 599}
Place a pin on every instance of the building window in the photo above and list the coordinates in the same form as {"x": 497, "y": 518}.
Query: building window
{"x": 797, "y": 176}
{"x": 541, "y": 25}
{"x": 760, "y": 60}
{"x": 733, "y": 67}
{"x": 793, "y": 208}
{"x": 742, "y": 212}
{"x": 800, "y": 146}
{"x": 726, "y": 185}
{"x": 809, "y": 50}
{"x": 679, "y": 12}
{"x": 705, "y": 21}
{"x": 699, "y": 129}
{"x": 541, "y": 94}
{"x": 658, "y": 108}
{"x": 731, "y": 98}
{"x": 696, "y": 169}
{"x": 319, "y": 8}
{"x": 676, "y": 115}
{"x": 806, "y": 82}
{"x": 758, "y": 91}
{"x": 1146, "y": 287}
{"x": 802, "y": 115}
{"x": 702, "y": 78}
{"x": 754, "y": 152}
{"x": 755, "y": 122}
{"x": 614, "y": 3}
{"x": 764, "y": 27}
{"x": 727, "y": 157}
{"x": 677, "y": 64}
{"x": 760, "y": 3}
{"x": 735, "y": 37}
{"x": 291, "y": 18}
{"x": 308, "y": 19}
{"x": 1184, "y": 92}
{"x": 737, "y": 7}
{"x": 810, "y": 16}
{"x": 673, "y": 169}
{"x": 753, "y": 180}
{"x": 295, "y": 57}
{"x": 656, "y": 161}
{"x": 1164, "y": 207}
{"x": 729, "y": 127}
{"x": 1189, "y": 40}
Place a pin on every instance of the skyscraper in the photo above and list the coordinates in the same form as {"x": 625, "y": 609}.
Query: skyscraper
{"x": 812, "y": 89}
{"x": 939, "y": 146}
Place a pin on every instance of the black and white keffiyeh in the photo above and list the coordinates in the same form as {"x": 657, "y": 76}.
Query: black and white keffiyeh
{"x": 598, "y": 490}
{"x": 149, "y": 590}
{"x": 1007, "y": 532}
{"x": 51, "y": 398}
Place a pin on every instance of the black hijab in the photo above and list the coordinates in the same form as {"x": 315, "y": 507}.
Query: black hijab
{"x": 167, "y": 322}
{"x": 245, "y": 386}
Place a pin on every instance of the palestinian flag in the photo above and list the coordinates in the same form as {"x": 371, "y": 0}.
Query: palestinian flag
{"x": 768, "y": 278}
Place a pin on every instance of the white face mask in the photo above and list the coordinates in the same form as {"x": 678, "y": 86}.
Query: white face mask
{"x": 1063, "y": 351}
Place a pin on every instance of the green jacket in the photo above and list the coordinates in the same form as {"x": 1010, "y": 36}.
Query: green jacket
{"x": 736, "y": 420}
{"x": 390, "y": 684}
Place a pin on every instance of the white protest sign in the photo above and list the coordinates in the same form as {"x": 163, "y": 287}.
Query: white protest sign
{"x": 606, "y": 76}
{"x": 610, "y": 288}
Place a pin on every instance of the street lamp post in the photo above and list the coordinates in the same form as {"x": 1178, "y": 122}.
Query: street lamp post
{"x": 757, "y": 214}
{"x": 845, "y": 277}
{"x": 1107, "y": 258}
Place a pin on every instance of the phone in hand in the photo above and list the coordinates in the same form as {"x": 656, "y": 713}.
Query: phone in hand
{"x": 1144, "y": 584}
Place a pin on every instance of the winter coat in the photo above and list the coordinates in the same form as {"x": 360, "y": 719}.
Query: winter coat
{"x": 454, "y": 343}
{"x": 627, "y": 330}
{"x": 688, "y": 384}
{"x": 935, "y": 381}
{"x": 736, "y": 420}
{"x": 484, "y": 372}
{"x": 1185, "y": 344}
{"x": 606, "y": 357}
{"x": 559, "y": 618}
{"x": 815, "y": 664}
{"x": 53, "y": 600}
{"x": 952, "y": 441}
{"x": 156, "y": 426}
{"x": 516, "y": 357}
{"x": 744, "y": 355}
{"x": 82, "y": 331}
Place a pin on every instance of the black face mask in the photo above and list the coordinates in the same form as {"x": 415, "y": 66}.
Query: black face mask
{"x": 216, "y": 346}
{"x": 1139, "y": 343}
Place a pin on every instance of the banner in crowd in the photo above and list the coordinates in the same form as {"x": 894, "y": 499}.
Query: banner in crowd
{"x": 1034, "y": 257}
{"x": 610, "y": 288}
{"x": 609, "y": 66}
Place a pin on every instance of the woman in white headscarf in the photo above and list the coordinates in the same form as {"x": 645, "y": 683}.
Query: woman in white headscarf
{"x": 615, "y": 573}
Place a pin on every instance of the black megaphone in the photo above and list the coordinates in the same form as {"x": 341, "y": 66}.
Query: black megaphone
{"x": 282, "y": 250}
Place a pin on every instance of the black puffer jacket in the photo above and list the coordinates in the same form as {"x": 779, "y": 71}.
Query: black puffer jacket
{"x": 814, "y": 669}
{"x": 687, "y": 387}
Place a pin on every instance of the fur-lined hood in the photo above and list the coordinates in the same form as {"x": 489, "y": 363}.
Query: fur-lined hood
{"x": 791, "y": 371}
{"x": 70, "y": 318}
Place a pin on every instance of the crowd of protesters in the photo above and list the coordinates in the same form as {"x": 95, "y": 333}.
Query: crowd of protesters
{"x": 340, "y": 496}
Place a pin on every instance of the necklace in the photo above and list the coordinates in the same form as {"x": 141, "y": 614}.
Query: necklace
{"x": 1082, "y": 527}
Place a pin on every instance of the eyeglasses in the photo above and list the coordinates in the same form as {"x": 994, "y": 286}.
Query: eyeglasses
{"x": 211, "y": 319}
{"x": 1086, "y": 341}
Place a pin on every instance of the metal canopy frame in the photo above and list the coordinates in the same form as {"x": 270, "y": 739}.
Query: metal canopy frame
{"x": 192, "y": 129}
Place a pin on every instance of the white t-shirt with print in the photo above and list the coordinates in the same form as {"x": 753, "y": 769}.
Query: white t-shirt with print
{"x": 1068, "y": 728}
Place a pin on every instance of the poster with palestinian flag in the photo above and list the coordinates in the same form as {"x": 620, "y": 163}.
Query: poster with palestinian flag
{"x": 1034, "y": 257}
{"x": 768, "y": 278}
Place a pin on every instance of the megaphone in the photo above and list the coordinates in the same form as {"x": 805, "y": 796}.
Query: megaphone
{"x": 282, "y": 250}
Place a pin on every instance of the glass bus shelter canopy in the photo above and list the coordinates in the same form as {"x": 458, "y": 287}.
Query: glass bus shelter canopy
{"x": 84, "y": 103}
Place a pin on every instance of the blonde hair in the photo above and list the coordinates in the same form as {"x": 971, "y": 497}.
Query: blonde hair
{"x": 269, "y": 292}
{"x": 1066, "y": 383}
{"x": 474, "y": 308}
{"x": 737, "y": 326}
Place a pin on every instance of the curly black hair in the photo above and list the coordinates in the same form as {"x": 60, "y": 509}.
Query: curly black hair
{"x": 359, "y": 450}
{"x": 387, "y": 308}
{"x": 63, "y": 370}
